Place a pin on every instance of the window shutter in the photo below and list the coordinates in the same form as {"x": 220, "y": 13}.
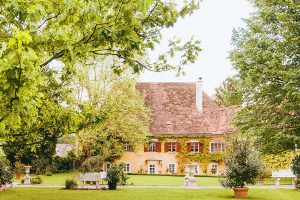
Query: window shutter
{"x": 189, "y": 147}
{"x": 166, "y": 146}
{"x": 178, "y": 147}
{"x": 146, "y": 148}
{"x": 158, "y": 146}
{"x": 201, "y": 147}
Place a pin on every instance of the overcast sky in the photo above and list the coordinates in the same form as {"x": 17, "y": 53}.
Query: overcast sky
{"x": 212, "y": 24}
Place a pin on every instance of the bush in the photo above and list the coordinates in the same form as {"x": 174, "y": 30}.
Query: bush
{"x": 48, "y": 171}
{"x": 65, "y": 164}
{"x": 242, "y": 165}
{"x": 36, "y": 180}
{"x": 213, "y": 171}
{"x": 71, "y": 184}
{"x": 6, "y": 173}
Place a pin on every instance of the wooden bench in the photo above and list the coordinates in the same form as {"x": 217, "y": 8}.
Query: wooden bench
{"x": 95, "y": 177}
{"x": 283, "y": 173}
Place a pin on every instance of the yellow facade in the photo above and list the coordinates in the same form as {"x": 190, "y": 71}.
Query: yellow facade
{"x": 140, "y": 161}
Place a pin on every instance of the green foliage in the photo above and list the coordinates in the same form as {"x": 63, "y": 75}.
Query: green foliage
{"x": 48, "y": 171}
{"x": 127, "y": 119}
{"x": 42, "y": 43}
{"x": 266, "y": 57}
{"x": 71, "y": 184}
{"x": 92, "y": 164}
{"x": 37, "y": 180}
{"x": 275, "y": 162}
{"x": 202, "y": 158}
{"x": 71, "y": 161}
{"x": 6, "y": 174}
{"x": 227, "y": 94}
{"x": 116, "y": 174}
{"x": 242, "y": 165}
{"x": 296, "y": 166}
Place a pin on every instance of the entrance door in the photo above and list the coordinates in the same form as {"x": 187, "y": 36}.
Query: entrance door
{"x": 152, "y": 169}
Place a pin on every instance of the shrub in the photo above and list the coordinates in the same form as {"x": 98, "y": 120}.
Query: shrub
{"x": 36, "y": 180}
{"x": 48, "y": 171}
{"x": 65, "y": 164}
{"x": 71, "y": 184}
{"x": 6, "y": 173}
{"x": 242, "y": 165}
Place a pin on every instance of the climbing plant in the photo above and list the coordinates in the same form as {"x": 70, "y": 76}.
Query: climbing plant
{"x": 202, "y": 158}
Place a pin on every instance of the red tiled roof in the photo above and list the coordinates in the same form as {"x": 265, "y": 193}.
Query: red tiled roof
{"x": 174, "y": 111}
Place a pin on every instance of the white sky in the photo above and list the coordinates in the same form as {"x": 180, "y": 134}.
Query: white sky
{"x": 212, "y": 24}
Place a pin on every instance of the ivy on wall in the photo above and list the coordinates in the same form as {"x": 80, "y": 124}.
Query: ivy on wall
{"x": 275, "y": 162}
{"x": 202, "y": 158}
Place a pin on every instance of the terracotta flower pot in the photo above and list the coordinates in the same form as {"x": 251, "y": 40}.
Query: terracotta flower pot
{"x": 241, "y": 192}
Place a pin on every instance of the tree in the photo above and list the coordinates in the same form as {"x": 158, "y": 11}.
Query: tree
{"x": 227, "y": 93}
{"x": 43, "y": 41}
{"x": 266, "y": 57}
{"x": 127, "y": 120}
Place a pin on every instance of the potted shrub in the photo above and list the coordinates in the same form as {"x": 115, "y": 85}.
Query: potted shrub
{"x": 242, "y": 167}
{"x": 19, "y": 168}
{"x": 296, "y": 170}
{"x": 114, "y": 175}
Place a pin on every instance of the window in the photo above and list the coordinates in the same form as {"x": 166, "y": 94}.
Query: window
{"x": 195, "y": 147}
{"x": 214, "y": 168}
{"x": 152, "y": 146}
{"x": 127, "y": 168}
{"x": 107, "y": 166}
{"x": 127, "y": 147}
{"x": 217, "y": 147}
{"x": 172, "y": 147}
{"x": 152, "y": 169}
{"x": 171, "y": 168}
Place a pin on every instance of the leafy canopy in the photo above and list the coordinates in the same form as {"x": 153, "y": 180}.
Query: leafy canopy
{"x": 42, "y": 42}
{"x": 266, "y": 57}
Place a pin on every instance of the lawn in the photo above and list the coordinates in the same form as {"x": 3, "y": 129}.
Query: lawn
{"x": 59, "y": 179}
{"x": 145, "y": 194}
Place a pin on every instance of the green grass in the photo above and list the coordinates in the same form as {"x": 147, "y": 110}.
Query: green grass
{"x": 144, "y": 194}
{"x": 59, "y": 179}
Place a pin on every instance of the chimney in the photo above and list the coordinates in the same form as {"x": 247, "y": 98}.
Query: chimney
{"x": 199, "y": 84}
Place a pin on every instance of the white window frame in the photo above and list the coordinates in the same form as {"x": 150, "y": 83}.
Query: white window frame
{"x": 172, "y": 146}
{"x": 195, "y": 147}
{"x": 152, "y": 147}
{"x": 149, "y": 167}
{"x": 127, "y": 147}
{"x": 216, "y": 167}
{"x": 216, "y": 146}
{"x": 174, "y": 168}
{"x": 129, "y": 167}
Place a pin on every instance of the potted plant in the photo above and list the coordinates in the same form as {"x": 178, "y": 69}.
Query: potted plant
{"x": 19, "y": 169}
{"x": 114, "y": 174}
{"x": 242, "y": 167}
